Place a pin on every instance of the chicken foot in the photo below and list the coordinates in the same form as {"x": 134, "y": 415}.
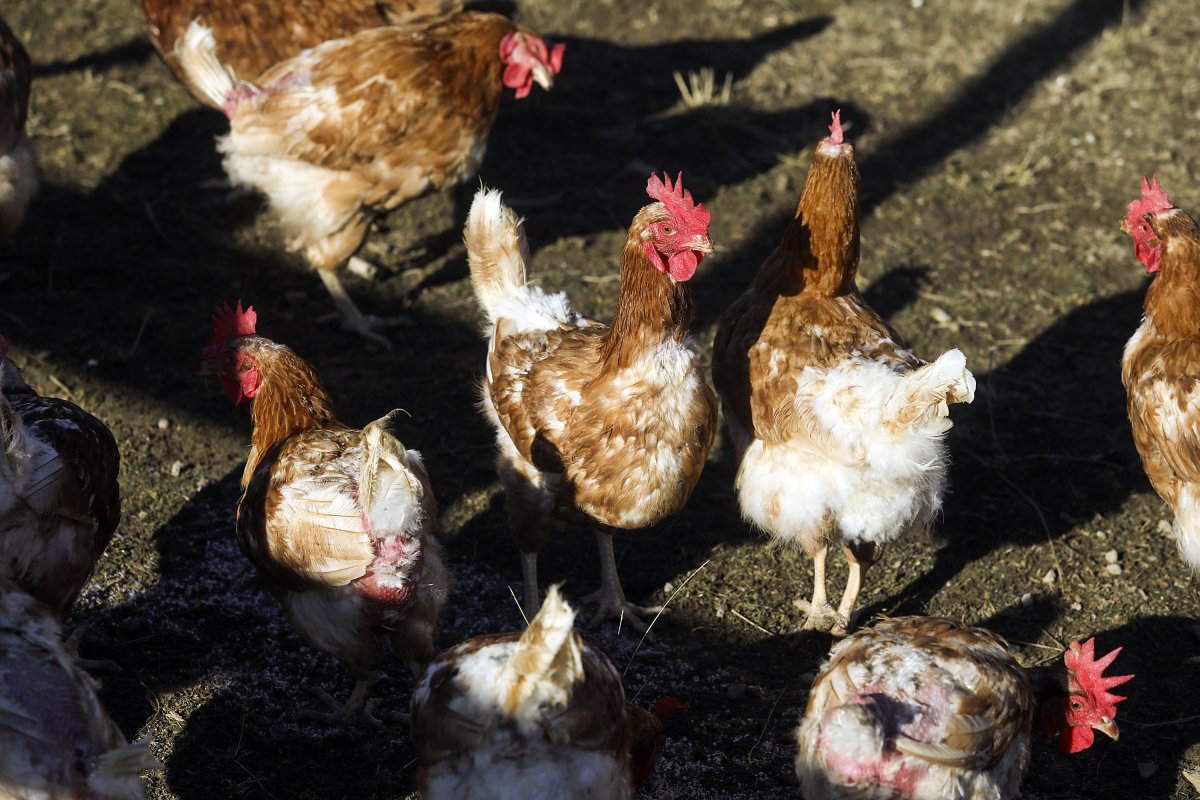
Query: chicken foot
{"x": 821, "y": 615}
{"x": 351, "y": 318}
{"x": 610, "y": 597}
{"x": 357, "y": 707}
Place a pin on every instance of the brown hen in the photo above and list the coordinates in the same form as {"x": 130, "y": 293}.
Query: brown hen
{"x": 610, "y": 424}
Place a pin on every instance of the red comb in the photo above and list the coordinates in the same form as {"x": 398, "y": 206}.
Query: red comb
{"x": 230, "y": 323}
{"x": 1153, "y": 201}
{"x": 835, "y": 129}
{"x": 1088, "y": 672}
{"x": 678, "y": 201}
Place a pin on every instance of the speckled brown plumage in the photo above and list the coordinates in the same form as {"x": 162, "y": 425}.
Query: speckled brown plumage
{"x": 345, "y": 570}
{"x": 254, "y": 36}
{"x": 59, "y": 495}
{"x": 1161, "y": 374}
{"x": 802, "y": 309}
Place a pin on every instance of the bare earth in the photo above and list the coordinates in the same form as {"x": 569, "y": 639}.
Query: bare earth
{"x": 999, "y": 143}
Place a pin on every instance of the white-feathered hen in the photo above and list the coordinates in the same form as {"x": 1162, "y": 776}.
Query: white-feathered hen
{"x": 56, "y": 741}
{"x": 838, "y": 427}
{"x": 539, "y": 715}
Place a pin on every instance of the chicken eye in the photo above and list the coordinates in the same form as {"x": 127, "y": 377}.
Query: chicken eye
{"x": 1076, "y": 705}
{"x": 231, "y": 358}
{"x": 667, "y": 230}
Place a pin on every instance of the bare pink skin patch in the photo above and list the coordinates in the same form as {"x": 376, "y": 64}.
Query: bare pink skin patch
{"x": 522, "y": 54}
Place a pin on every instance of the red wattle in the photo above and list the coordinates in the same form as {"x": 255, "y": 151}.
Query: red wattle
{"x": 682, "y": 265}
{"x": 1151, "y": 257}
{"x": 519, "y": 77}
{"x": 1075, "y": 739}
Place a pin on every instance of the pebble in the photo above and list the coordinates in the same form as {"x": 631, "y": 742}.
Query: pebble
{"x": 1027, "y": 599}
{"x": 1112, "y": 557}
{"x": 1113, "y": 569}
{"x": 93, "y": 362}
{"x": 1050, "y": 577}
{"x": 163, "y": 423}
{"x": 176, "y": 468}
{"x": 1077, "y": 606}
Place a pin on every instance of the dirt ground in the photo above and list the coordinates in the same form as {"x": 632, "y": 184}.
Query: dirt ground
{"x": 999, "y": 144}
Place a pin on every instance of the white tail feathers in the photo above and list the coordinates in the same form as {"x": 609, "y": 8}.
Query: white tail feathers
{"x": 923, "y": 399}
{"x": 197, "y": 52}
{"x": 116, "y": 774}
{"x": 548, "y": 660}
{"x": 390, "y": 494}
{"x": 496, "y": 251}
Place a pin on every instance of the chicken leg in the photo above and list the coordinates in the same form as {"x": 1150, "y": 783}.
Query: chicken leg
{"x": 610, "y": 597}
{"x": 861, "y": 556}
{"x": 821, "y": 616}
{"x": 352, "y": 319}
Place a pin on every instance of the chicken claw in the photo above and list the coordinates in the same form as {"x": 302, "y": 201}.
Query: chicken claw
{"x": 357, "y": 707}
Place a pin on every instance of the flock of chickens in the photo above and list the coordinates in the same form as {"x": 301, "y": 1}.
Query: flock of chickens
{"x": 838, "y": 430}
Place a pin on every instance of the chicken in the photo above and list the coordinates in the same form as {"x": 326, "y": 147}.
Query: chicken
{"x": 539, "y": 715}
{"x": 610, "y": 424}
{"x": 59, "y": 497}
{"x": 56, "y": 741}
{"x": 921, "y": 708}
{"x": 837, "y": 427}
{"x": 1161, "y": 364}
{"x": 337, "y": 522}
{"x": 18, "y": 169}
{"x": 360, "y": 125}
{"x": 252, "y": 36}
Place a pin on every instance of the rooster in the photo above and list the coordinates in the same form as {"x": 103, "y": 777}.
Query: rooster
{"x": 837, "y": 426}
{"x": 921, "y": 708}
{"x": 253, "y": 36}
{"x": 59, "y": 497}
{"x": 539, "y": 715}
{"x": 1159, "y": 366}
{"x": 611, "y": 424}
{"x": 56, "y": 741}
{"x": 338, "y": 522}
{"x": 18, "y": 170}
{"x": 360, "y": 125}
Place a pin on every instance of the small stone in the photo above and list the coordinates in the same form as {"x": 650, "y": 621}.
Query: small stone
{"x": 163, "y": 423}
{"x": 1113, "y": 569}
{"x": 1112, "y": 557}
{"x": 1077, "y": 606}
{"x": 1027, "y": 599}
{"x": 668, "y": 587}
{"x": 92, "y": 362}
{"x": 940, "y": 315}
{"x": 176, "y": 468}
{"x": 1101, "y": 534}
{"x": 1147, "y": 768}
{"x": 736, "y": 692}
{"x": 1050, "y": 577}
